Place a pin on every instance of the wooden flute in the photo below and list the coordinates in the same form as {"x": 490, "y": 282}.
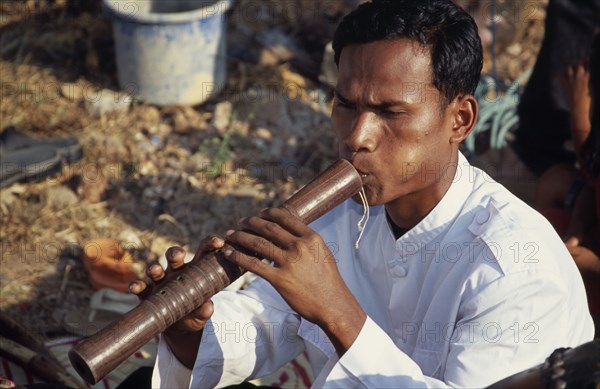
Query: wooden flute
{"x": 99, "y": 354}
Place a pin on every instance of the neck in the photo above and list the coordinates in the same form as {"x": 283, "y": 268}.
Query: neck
{"x": 398, "y": 231}
{"x": 407, "y": 211}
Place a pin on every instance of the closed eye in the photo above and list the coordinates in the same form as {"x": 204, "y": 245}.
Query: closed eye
{"x": 342, "y": 102}
{"x": 390, "y": 113}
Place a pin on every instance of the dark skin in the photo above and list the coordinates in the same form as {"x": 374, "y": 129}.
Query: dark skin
{"x": 404, "y": 142}
{"x": 183, "y": 337}
{"x": 555, "y": 183}
{"x": 396, "y": 127}
{"x": 583, "y": 232}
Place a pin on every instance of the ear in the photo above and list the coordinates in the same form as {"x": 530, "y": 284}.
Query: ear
{"x": 464, "y": 117}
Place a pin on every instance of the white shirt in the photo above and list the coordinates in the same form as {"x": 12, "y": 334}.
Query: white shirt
{"x": 480, "y": 289}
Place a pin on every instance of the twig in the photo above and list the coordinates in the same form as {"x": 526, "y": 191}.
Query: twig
{"x": 172, "y": 220}
{"x": 65, "y": 279}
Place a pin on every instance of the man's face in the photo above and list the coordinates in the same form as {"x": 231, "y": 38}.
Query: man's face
{"x": 392, "y": 123}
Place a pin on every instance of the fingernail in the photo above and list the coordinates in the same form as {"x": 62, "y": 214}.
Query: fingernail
{"x": 229, "y": 233}
{"x": 155, "y": 268}
{"x": 228, "y": 252}
{"x": 242, "y": 220}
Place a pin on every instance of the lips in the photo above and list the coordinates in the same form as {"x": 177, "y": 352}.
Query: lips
{"x": 363, "y": 175}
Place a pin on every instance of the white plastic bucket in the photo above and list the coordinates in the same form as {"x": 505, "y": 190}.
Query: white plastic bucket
{"x": 169, "y": 52}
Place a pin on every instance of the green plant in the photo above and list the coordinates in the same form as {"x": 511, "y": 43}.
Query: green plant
{"x": 219, "y": 148}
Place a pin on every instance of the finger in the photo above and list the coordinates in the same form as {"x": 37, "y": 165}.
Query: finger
{"x": 215, "y": 242}
{"x": 255, "y": 245}
{"x": 249, "y": 263}
{"x": 175, "y": 257}
{"x": 575, "y": 252}
{"x": 140, "y": 289}
{"x": 581, "y": 69}
{"x": 286, "y": 220}
{"x": 275, "y": 224}
{"x": 210, "y": 243}
{"x": 155, "y": 272}
{"x": 586, "y": 65}
{"x": 269, "y": 230}
{"x": 569, "y": 72}
{"x": 572, "y": 242}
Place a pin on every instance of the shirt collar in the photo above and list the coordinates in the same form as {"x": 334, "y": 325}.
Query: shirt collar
{"x": 447, "y": 209}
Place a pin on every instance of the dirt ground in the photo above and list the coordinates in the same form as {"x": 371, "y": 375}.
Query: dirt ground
{"x": 152, "y": 177}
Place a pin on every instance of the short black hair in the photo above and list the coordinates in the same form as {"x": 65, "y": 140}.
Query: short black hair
{"x": 447, "y": 30}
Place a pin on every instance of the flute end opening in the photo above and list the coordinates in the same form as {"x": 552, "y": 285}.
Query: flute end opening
{"x": 81, "y": 367}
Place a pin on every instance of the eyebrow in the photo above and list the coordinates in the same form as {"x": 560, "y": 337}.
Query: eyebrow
{"x": 379, "y": 106}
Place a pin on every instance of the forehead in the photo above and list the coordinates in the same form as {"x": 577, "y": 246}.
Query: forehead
{"x": 382, "y": 69}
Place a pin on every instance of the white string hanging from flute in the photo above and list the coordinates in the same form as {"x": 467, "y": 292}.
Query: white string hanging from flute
{"x": 362, "y": 223}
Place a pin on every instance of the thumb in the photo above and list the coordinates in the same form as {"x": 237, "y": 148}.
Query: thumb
{"x": 204, "y": 312}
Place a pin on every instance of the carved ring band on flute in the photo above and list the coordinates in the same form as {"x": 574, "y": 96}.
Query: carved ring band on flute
{"x": 203, "y": 277}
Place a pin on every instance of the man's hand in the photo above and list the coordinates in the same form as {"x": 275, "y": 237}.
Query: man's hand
{"x": 305, "y": 272}
{"x": 587, "y": 261}
{"x": 183, "y": 337}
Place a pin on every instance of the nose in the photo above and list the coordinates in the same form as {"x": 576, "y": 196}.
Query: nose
{"x": 362, "y": 136}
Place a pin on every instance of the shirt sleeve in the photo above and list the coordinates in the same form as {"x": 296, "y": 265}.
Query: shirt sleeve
{"x": 509, "y": 326}
{"x": 514, "y": 324}
{"x": 374, "y": 361}
{"x": 251, "y": 334}
{"x": 168, "y": 371}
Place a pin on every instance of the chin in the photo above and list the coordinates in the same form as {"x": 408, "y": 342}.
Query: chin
{"x": 371, "y": 198}
{"x": 356, "y": 199}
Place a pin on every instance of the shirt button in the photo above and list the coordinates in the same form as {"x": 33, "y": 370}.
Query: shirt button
{"x": 483, "y": 217}
{"x": 398, "y": 271}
